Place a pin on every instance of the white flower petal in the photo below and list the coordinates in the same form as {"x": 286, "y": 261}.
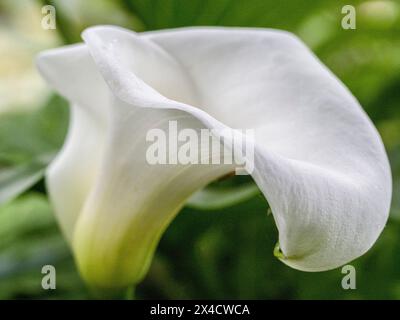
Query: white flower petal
{"x": 112, "y": 204}
{"x": 318, "y": 159}
{"x": 71, "y": 71}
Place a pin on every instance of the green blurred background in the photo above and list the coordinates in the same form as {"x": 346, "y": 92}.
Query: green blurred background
{"x": 221, "y": 246}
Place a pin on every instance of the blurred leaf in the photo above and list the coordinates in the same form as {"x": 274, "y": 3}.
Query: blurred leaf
{"x": 394, "y": 156}
{"x": 29, "y": 135}
{"x": 30, "y": 239}
{"x": 286, "y": 14}
{"x": 29, "y": 141}
{"x": 23, "y": 256}
{"x": 75, "y": 16}
{"x": 366, "y": 59}
{"x": 27, "y": 215}
{"x": 212, "y": 198}
{"x": 17, "y": 179}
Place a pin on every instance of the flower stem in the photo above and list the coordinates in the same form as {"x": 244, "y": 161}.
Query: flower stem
{"x": 130, "y": 293}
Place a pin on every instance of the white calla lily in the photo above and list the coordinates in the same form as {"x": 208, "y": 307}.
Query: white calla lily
{"x": 318, "y": 159}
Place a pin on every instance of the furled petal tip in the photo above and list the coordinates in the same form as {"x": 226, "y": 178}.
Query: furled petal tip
{"x": 317, "y": 157}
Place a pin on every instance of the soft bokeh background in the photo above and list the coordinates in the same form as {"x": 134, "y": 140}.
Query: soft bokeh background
{"x": 221, "y": 246}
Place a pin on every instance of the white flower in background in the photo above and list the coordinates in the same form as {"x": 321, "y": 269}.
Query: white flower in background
{"x": 318, "y": 159}
{"x": 21, "y": 38}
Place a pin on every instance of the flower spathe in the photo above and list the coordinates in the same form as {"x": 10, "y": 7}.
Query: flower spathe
{"x": 318, "y": 159}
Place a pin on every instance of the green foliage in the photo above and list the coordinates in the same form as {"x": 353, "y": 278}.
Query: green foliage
{"x": 17, "y": 179}
{"x": 225, "y": 192}
{"x": 30, "y": 239}
{"x": 286, "y": 14}
{"x": 28, "y": 143}
{"x": 28, "y": 135}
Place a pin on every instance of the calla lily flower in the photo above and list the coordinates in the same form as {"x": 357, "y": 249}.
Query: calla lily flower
{"x": 318, "y": 159}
